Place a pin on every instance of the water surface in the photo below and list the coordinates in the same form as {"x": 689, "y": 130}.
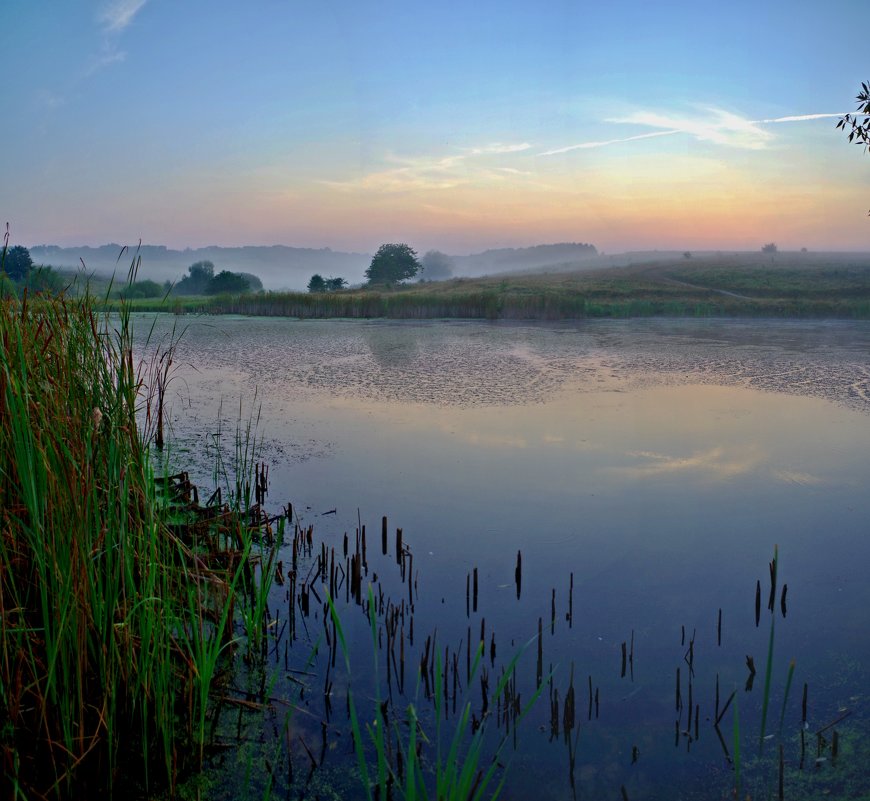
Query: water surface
{"x": 659, "y": 462}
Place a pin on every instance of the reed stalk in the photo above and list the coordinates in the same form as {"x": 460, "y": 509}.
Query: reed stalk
{"x": 108, "y": 620}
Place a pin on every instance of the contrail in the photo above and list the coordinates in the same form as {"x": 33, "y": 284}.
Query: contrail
{"x": 800, "y": 118}
{"x": 604, "y": 143}
{"x": 672, "y": 131}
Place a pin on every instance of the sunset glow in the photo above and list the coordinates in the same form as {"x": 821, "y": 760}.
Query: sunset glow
{"x": 507, "y": 125}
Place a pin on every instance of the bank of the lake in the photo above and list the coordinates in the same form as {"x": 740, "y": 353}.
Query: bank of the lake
{"x": 784, "y": 286}
{"x": 118, "y": 591}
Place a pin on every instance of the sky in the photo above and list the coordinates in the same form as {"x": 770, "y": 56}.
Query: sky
{"x": 629, "y": 124}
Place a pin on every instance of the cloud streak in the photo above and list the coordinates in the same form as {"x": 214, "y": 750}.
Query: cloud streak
{"x": 118, "y": 14}
{"x": 713, "y": 125}
{"x": 424, "y": 173}
{"x": 109, "y": 54}
{"x": 606, "y": 142}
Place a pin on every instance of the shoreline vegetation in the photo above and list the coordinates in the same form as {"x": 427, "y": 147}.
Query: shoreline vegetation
{"x": 137, "y": 641}
{"x": 799, "y": 285}
{"x": 118, "y": 591}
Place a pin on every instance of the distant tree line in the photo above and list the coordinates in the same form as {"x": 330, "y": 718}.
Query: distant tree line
{"x": 18, "y": 273}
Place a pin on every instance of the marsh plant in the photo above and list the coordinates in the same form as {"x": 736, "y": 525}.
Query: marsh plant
{"x": 116, "y": 618}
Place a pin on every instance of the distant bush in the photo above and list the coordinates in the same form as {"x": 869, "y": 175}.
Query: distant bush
{"x": 142, "y": 289}
{"x": 201, "y": 280}
{"x": 254, "y": 283}
{"x": 320, "y": 284}
{"x": 437, "y": 266}
{"x": 226, "y": 282}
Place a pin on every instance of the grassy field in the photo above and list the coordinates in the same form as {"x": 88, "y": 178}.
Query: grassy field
{"x": 709, "y": 285}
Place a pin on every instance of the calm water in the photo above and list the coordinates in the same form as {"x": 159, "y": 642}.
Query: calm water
{"x": 659, "y": 462}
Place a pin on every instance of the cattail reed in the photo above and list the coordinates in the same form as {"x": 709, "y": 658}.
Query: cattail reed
{"x": 773, "y": 562}
{"x": 804, "y": 705}
{"x": 590, "y": 699}
{"x": 468, "y": 595}
{"x": 678, "y": 696}
{"x": 571, "y": 601}
{"x": 757, "y": 602}
{"x": 553, "y": 613}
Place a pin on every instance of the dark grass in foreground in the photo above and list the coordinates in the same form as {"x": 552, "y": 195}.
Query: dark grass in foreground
{"x": 112, "y": 628}
{"x": 742, "y": 285}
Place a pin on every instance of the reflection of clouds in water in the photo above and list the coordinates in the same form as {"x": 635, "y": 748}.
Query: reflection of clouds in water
{"x": 496, "y": 440}
{"x": 714, "y": 462}
{"x": 797, "y": 477}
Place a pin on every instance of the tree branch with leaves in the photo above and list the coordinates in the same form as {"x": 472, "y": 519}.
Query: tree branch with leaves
{"x": 858, "y": 123}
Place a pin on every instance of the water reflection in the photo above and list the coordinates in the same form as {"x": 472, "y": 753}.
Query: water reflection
{"x": 717, "y": 462}
{"x": 644, "y": 469}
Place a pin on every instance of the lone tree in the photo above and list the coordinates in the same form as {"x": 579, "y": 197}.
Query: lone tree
{"x": 393, "y": 263}
{"x": 437, "y": 266}
{"x": 770, "y": 247}
{"x": 17, "y": 263}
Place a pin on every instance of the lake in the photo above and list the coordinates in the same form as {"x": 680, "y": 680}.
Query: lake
{"x": 644, "y": 469}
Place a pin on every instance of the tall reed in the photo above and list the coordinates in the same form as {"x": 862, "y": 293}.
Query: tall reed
{"x": 109, "y": 622}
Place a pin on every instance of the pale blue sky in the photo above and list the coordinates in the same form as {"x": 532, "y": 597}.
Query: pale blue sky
{"x": 349, "y": 124}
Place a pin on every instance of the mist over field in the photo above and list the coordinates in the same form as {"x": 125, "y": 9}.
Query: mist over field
{"x": 285, "y": 267}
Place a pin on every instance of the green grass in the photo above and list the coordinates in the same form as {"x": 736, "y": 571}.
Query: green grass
{"x": 113, "y": 629}
{"x": 741, "y": 285}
